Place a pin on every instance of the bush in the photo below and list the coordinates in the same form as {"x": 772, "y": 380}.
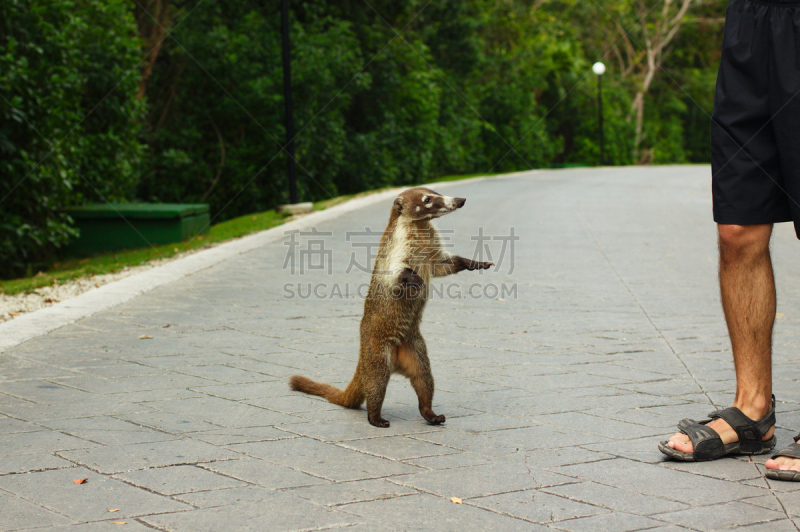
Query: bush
{"x": 68, "y": 119}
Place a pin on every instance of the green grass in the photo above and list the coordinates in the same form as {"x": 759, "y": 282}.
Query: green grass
{"x": 459, "y": 177}
{"x": 115, "y": 261}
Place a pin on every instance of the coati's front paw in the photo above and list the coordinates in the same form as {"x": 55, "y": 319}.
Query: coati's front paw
{"x": 410, "y": 278}
{"x": 474, "y": 265}
{"x": 378, "y": 422}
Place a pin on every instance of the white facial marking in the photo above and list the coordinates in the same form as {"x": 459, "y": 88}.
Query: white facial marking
{"x": 450, "y": 202}
{"x": 418, "y": 208}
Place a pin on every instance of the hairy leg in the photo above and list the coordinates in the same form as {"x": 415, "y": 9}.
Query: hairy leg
{"x": 376, "y": 377}
{"x": 421, "y": 377}
{"x": 747, "y": 288}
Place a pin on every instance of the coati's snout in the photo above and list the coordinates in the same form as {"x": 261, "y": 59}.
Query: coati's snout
{"x": 422, "y": 203}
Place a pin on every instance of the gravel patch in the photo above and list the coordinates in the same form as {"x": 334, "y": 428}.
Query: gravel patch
{"x": 18, "y": 304}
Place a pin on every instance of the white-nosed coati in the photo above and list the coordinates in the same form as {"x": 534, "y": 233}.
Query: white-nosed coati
{"x": 410, "y": 254}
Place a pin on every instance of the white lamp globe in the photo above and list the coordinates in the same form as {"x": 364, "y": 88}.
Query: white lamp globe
{"x": 599, "y": 68}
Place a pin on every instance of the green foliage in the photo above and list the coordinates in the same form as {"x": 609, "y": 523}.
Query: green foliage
{"x": 68, "y": 121}
{"x": 216, "y": 108}
{"x": 390, "y": 93}
{"x": 577, "y": 121}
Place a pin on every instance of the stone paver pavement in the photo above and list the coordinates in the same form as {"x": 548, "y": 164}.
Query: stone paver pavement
{"x": 558, "y": 373}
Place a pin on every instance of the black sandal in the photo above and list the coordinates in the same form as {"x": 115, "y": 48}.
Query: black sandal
{"x": 708, "y": 445}
{"x": 793, "y": 451}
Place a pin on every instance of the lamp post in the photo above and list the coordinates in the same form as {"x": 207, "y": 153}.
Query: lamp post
{"x": 287, "y": 99}
{"x": 599, "y": 69}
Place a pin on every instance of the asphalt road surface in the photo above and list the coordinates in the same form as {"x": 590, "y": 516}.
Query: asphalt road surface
{"x": 559, "y": 371}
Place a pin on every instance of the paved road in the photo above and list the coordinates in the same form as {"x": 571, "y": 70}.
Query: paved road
{"x": 557, "y": 385}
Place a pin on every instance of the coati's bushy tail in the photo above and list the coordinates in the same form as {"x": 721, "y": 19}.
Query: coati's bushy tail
{"x": 350, "y": 397}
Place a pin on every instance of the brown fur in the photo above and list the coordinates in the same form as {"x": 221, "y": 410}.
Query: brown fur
{"x": 410, "y": 254}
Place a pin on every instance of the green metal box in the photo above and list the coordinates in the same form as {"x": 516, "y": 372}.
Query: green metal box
{"x": 111, "y": 227}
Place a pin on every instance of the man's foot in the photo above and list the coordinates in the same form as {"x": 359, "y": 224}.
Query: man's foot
{"x": 784, "y": 463}
{"x": 730, "y": 431}
{"x": 681, "y": 442}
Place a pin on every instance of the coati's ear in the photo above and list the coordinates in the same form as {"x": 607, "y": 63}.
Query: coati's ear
{"x": 398, "y": 204}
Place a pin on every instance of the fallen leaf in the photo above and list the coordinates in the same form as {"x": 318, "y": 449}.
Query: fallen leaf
{"x": 50, "y": 300}
{"x": 455, "y": 500}
{"x": 175, "y": 250}
{"x": 80, "y": 480}
{"x": 167, "y": 326}
{"x": 436, "y": 443}
{"x": 145, "y": 337}
{"x": 779, "y": 314}
{"x": 500, "y": 299}
{"x": 114, "y": 510}
{"x": 119, "y": 522}
{"x": 14, "y": 313}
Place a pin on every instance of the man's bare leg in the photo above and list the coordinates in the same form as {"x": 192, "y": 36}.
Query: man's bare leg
{"x": 747, "y": 288}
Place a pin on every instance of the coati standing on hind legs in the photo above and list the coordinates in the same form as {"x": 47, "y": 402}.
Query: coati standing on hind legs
{"x": 410, "y": 254}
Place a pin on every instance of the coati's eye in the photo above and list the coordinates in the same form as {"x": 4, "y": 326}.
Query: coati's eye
{"x": 427, "y": 200}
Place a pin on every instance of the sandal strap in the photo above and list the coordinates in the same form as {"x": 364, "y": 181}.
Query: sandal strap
{"x": 792, "y": 451}
{"x": 706, "y": 442}
{"x": 750, "y": 432}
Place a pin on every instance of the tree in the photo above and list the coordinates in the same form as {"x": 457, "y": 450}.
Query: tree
{"x": 646, "y": 31}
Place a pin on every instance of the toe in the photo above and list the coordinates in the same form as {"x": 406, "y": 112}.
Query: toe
{"x": 684, "y": 447}
{"x": 680, "y": 442}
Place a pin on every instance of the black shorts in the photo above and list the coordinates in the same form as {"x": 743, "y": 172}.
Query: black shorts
{"x": 755, "y": 130}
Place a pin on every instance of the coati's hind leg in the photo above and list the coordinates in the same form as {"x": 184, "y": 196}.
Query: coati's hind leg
{"x": 418, "y": 370}
{"x": 376, "y": 378}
